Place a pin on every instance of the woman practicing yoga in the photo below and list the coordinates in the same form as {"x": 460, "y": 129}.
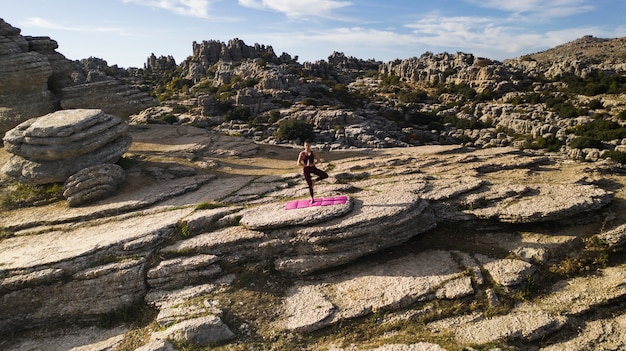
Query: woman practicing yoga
{"x": 307, "y": 160}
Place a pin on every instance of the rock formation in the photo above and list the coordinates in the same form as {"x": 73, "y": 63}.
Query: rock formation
{"x": 92, "y": 183}
{"x": 51, "y": 148}
{"x": 112, "y": 96}
{"x": 23, "y": 98}
{"x": 220, "y": 259}
{"x": 55, "y": 82}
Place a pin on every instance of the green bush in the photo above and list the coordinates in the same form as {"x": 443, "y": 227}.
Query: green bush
{"x": 550, "y": 143}
{"x": 393, "y": 115}
{"x": 595, "y": 83}
{"x": 464, "y": 123}
{"x": 601, "y": 129}
{"x": 293, "y": 129}
{"x": 241, "y": 113}
{"x": 595, "y": 104}
{"x": 422, "y": 117}
{"x": 585, "y": 142}
{"x": 169, "y": 118}
{"x": 617, "y": 156}
{"x": 413, "y": 96}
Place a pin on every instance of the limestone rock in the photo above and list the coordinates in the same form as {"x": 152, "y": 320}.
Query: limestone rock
{"x": 53, "y": 80}
{"x": 50, "y": 148}
{"x": 22, "y": 98}
{"x": 92, "y": 183}
{"x": 178, "y": 272}
{"x": 508, "y": 272}
{"x": 80, "y": 297}
{"x": 64, "y": 134}
{"x": 615, "y": 237}
{"x": 545, "y": 202}
{"x": 202, "y": 331}
{"x": 275, "y": 216}
{"x": 157, "y": 345}
{"x": 112, "y": 96}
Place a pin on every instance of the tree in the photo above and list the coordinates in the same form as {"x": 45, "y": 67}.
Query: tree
{"x": 293, "y": 129}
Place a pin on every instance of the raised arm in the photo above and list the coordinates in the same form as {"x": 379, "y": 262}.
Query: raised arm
{"x": 300, "y": 157}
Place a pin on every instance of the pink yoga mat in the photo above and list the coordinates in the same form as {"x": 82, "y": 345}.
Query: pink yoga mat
{"x": 325, "y": 201}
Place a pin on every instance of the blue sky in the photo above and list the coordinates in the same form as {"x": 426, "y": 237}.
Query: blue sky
{"x": 126, "y": 32}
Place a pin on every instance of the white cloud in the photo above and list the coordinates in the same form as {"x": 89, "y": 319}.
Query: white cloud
{"x": 357, "y": 36}
{"x": 39, "y": 22}
{"x": 190, "y": 8}
{"x": 298, "y": 9}
{"x": 537, "y": 9}
{"x": 493, "y": 37}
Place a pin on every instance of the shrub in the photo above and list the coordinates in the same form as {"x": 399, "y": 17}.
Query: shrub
{"x": 422, "y": 117}
{"x": 169, "y": 118}
{"x": 413, "y": 96}
{"x": 241, "y": 113}
{"x": 464, "y": 123}
{"x": 393, "y": 115}
{"x": 617, "y": 156}
{"x": 595, "y": 104}
{"x": 293, "y": 129}
{"x": 585, "y": 142}
{"x": 550, "y": 143}
{"x": 601, "y": 129}
{"x": 390, "y": 80}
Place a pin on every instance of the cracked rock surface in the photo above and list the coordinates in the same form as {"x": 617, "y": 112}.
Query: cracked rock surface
{"x": 437, "y": 248}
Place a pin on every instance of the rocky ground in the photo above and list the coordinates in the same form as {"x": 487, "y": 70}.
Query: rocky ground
{"x": 437, "y": 248}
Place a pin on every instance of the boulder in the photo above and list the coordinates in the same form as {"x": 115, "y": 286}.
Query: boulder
{"x": 51, "y": 148}
{"x": 202, "y": 331}
{"x": 92, "y": 183}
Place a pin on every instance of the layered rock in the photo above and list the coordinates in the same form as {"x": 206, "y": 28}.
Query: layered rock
{"x": 92, "y": 183}
{"x": 22, "y": 98}
{"x": 55, "y": 82}
{"x": 111, "y": 96}
{"x": 375, "y": 256}
{"x": 209, "y": 52}
{"x": 50, "y": 148}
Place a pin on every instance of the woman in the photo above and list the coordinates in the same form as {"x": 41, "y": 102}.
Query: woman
{"x": 307, "y": 160}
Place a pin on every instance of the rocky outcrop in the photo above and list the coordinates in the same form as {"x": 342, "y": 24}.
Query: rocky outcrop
{"x": 111, "y": 96}
{"x": 55, "y": 82}
{"x": 51, "y": 148}
{"x": 209, "y": 52}
{"x": 480, "y": 73}
{"x": 221, "y": 260}
{"x": 23, "y": 98}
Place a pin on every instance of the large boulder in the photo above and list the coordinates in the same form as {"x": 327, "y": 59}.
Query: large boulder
{"x": 50, "y": 148}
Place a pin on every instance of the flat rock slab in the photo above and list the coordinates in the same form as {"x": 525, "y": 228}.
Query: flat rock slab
{"x": 368, "y": 288}
{"x": 274, "y": 215}
{"x": 546, "y": 202}
{"x": 32, "y": 252}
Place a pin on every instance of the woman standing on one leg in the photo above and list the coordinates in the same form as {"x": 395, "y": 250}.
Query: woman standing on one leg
{"x": 307, "y": 160}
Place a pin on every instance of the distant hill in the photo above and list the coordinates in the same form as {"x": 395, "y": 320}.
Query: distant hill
{"x": 587, "y": 48}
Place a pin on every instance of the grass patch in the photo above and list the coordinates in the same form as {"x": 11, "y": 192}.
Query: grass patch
{"x": 209, "y": 205}
{"x": 17, "y": 195}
